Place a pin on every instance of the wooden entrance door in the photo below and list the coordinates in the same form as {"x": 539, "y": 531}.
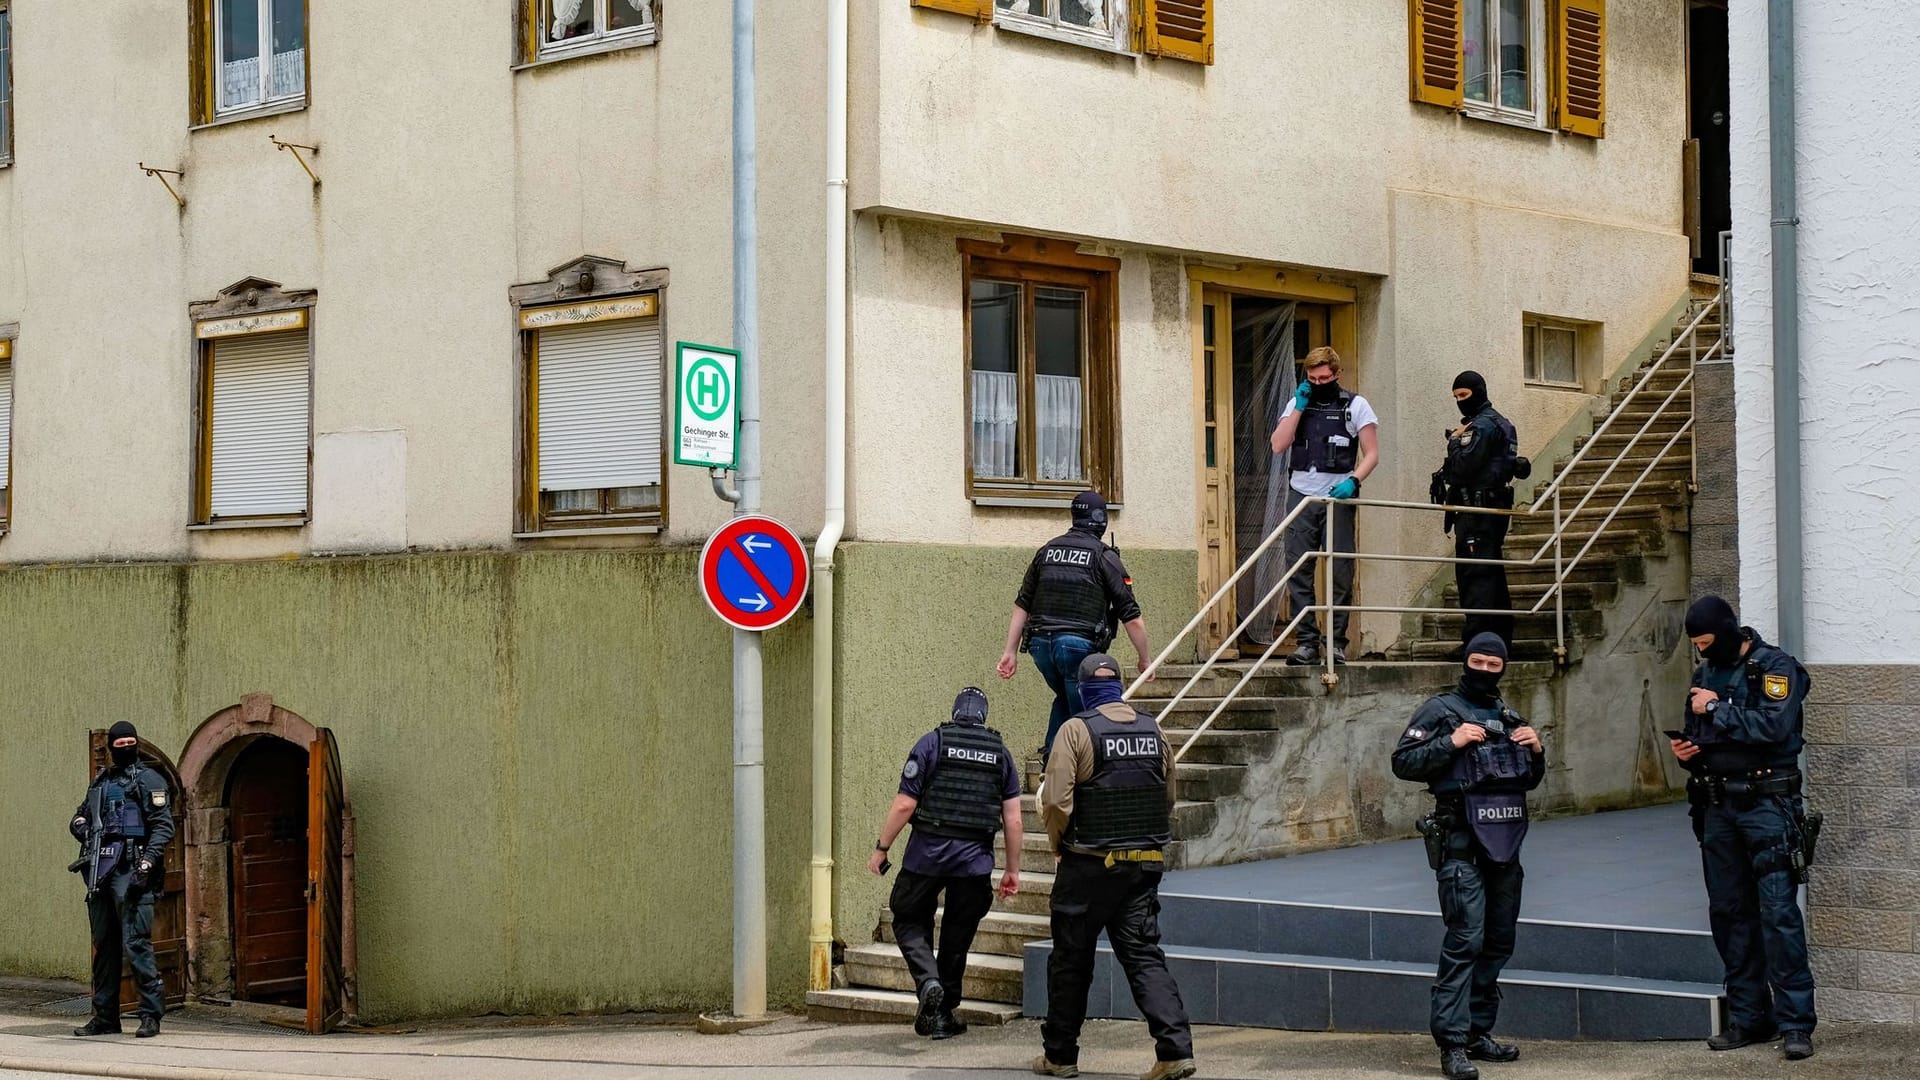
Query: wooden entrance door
{"x": 1215, "y": 352}
{"x": 268, "y": 822}
{"x": 326, "y": 885}
{"x": 170, "y": 906}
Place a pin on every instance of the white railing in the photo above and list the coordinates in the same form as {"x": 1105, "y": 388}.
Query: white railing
{"x": 1682, "y": 352}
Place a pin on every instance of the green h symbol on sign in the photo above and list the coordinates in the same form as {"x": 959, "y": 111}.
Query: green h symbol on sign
{"x": 709, "y": 391}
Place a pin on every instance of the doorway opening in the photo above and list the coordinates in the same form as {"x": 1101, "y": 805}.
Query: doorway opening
{"x": 267, "y": 864}
{"x": 1708, "y": 157}
{"x": 1251, "y": 345}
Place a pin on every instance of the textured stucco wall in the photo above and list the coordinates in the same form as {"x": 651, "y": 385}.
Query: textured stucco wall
{"x": 537, "y": 749}
{"x": 916, "y": 623}
{"x": 447, "y": 178}
{"x": 1859, "y": 319}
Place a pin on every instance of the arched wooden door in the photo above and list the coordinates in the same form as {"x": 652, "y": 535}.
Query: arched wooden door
{"x": 326, "y": 885}
{"x": 170, "y": 906}
{"x": 268, "y": 854}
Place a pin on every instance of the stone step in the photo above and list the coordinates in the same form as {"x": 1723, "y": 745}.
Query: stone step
{"x": 1645, "y": 445}
{"x": 1521, "y": 649}
{"x": 1272, "y": 687}
{"x": 1215, "y": 746}
{"x": 1035, "y": 856}
{"x": 1588, "y": 624}
{"x": 1586, "y": 596}
{"x": 1620, "y": 568}
{"x": 1321, "y": 993}
{"x": 865, "y": 1005}
{"x": 1001, "y": 933}
{"x": 1248, "y": 712}
{"x": 880, "y": 966}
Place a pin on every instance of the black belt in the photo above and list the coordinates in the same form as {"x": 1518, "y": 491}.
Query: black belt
{"x": 1758, "y": 783}
{"x": 1488, "y": 498}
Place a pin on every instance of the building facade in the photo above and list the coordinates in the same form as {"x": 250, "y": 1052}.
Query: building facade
{"x": 335, "y": 354}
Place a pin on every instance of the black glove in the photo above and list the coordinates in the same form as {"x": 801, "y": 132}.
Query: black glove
{"x": 78, "y": 827}
{"x": 143, "y": 873}
{"x": 1437, "y": 488}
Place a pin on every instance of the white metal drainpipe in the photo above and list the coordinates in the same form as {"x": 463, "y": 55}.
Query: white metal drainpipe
{"x": 1785, "y": 222}
{"x": 834, "y": 488}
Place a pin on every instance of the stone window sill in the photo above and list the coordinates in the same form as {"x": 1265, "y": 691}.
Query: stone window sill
{"x": 609, "y": 530}
{"x": 280, "y": 108}
{"x": 601, "y": 49}
{"x": 249, "y": 523}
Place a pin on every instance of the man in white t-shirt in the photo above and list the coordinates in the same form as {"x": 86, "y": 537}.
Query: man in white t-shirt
{"x": 1334, "y": 437}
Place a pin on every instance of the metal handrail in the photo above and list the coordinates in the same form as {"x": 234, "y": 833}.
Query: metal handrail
{"x": 1563, "y": 520}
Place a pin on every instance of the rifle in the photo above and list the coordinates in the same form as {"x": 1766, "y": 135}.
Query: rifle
{"x": 88, "y": 864}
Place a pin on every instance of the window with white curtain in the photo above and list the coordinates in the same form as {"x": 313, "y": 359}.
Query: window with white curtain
{"x": 256, "y": 438}
{"x": 1101, "y": 23}
{"x": 1038, "y": 345}
{"x": 260, "y": 53}
{"x": 1505, "y": 58}
{"x": 596, "y": 444}
{"x": 1551, "y": 351}
{"x": 565, "y": 25}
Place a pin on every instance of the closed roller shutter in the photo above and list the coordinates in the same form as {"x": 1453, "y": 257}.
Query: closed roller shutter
{"x": 599, "y": 405}
{"x": 6, "y": 425}
{"x": 261, "y": 401}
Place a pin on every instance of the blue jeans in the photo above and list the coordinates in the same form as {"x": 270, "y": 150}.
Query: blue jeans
{"x": 1058, "y": 657}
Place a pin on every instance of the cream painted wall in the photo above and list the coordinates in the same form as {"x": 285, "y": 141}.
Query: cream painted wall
{"x": 448, "y": 177}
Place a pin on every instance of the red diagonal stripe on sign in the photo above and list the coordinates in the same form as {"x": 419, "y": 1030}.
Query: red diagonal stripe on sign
{"x": 753, "y": 571}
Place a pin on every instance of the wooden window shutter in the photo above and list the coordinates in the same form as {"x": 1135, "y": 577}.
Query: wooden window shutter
{"x": 1177, "y": 29}
{"x": 1436, "y": 42}
{"x": 981, "y": 10}
{"x": 1580, "y": 67}
{"x": 200, "y": 61}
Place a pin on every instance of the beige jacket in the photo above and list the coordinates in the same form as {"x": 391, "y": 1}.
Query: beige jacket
{"x": 1072, "y": 764}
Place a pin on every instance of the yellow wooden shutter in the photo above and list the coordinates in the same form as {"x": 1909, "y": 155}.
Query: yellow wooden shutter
{"x": 1177, "y": 29}
{"x": 1579, "y": 66}
{"x": 981, "y": 10}
{"x": 200, "y": 61}
{"x": 1436, "y": 45}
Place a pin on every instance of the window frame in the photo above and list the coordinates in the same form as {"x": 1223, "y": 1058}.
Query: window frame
{"x": 586, "y": 280}
{"x": 6, "y": 103}
{"x": 535, "y": 47}
{"x": 1117, "y": 38}
{"x": 13, "y": 397}
{"x": 1539, "y": 71}
{"x": 216, "y": 37}
{"x": 1532, "y": 329}
{"x": 267, "y": 303}
{"x": 1035, "y": 262}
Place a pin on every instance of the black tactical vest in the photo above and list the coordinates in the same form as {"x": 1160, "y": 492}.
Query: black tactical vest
{"x": 1490, "y": 781}
{"x": 1500, "y": 469}
{"x": 122, "y": 808}
{"x": 1743, "y": 686}
{"x": 1069, "y": 594}
{"x": 1323, "y": 442}
{"x": 1123, "y": 805}
{"x": 962, "y": 797}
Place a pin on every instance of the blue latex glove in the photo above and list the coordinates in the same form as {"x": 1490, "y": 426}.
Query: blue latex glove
{"x": 1346, "y": 489}
{"x": 1300, "y": 395}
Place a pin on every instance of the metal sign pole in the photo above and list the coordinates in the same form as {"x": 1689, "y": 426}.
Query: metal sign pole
{"x": 749, "y": 767}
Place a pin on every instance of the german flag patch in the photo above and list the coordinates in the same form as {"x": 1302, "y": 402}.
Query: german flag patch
{"x": 1775, "y": 687}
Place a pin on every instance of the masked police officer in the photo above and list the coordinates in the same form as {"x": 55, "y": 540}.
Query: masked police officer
{"x": 1107, "y": 803}
{"x": 1074, "y": 593}
{"x": 1482, "y": 463}
{"x": 959, "y": 785}
{"x": 123, "y": 825}
{"x": 1479, "y": 759}
{"x": 1741, "y": 746}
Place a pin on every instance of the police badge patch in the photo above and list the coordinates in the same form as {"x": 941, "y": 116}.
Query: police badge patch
{"x": 912, "y": 770}
{"x": 159, "y": 798}
{"x": 1775, "y": 687}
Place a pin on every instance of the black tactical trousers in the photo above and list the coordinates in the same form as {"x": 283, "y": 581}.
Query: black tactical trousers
{"x": 915, "y": 897}
{"x": 1309, "y": 533}
{"x": 1480, "y": 902}
{"x": 1125, "y": 902}
{"x": 120, "y": 916}
{"x": 1752, "y": 907}
{"x": 1482, "y": 536}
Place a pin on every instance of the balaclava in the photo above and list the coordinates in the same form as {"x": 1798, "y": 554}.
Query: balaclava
{"x": 1477, "y": 400}
{"x": 970, "y": 707}
{"x": 1323, "y": 393}
{"x": 1090, "y": 513}
{"x": 123, "y": 755}
{"x": 1712, "y": 615}
{"x": 1483, "y": 687}
{"x": 1098, "y": 690}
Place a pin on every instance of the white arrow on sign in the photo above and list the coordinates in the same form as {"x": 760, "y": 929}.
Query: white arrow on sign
{"x": 753, "y": 543}
{"x": 758, "y": 602}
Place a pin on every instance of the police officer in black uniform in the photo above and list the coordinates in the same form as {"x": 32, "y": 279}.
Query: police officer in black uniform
{"x": 1107, "y": 804}
{"x": 1482, "y": 463}
{"x": 1479, "y": 759}
{"x": 123, "y": 825}
{"x": 1075, "y": 593}
{"x": 958, "y": 787}
{"x": 1741, "y": 744}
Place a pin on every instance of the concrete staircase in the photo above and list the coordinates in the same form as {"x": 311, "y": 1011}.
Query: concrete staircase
{"x": 1647, "y": 526}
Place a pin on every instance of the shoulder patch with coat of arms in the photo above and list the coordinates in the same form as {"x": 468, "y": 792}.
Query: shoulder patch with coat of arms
{"x": 1776, "y": 687}
{"x": 159, "y": 798}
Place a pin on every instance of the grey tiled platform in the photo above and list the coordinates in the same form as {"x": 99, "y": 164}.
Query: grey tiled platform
{"x": 1613, "y": 942}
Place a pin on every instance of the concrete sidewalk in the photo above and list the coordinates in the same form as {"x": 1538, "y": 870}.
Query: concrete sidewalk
{"x": 210, "y": 1043}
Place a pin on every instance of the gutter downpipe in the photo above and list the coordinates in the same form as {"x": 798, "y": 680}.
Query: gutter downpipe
{"x": 1789, "y": 553}
{"x": 834, "y": 506}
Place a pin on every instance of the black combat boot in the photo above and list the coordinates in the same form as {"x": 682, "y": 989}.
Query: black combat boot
{"x": 1798, "y": 1045}
{"x": 149, "y": 1027}
{"x": 946, "y": 1026}
{"x": 1455, "y": 1066}
{"x": 1483, "y": 1048}
{"x": 932, "y": 996}
{"x": 99, "y": 1025}
{"x": 1736, "y": 1037}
